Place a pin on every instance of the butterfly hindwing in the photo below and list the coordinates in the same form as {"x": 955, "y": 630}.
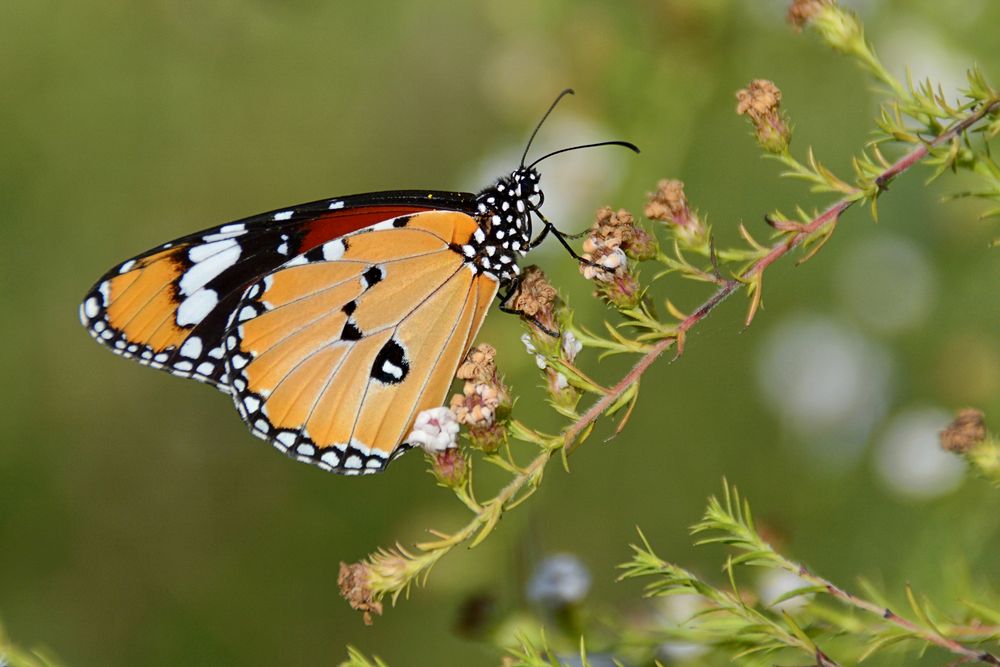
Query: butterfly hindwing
{"x": 168, "y": 307}
{"x": 333, "y": 355}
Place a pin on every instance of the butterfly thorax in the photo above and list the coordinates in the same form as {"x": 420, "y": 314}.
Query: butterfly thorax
{"x": 504, "y": 234}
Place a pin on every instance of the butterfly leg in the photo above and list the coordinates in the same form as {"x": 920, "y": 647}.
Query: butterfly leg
{"x": 505, "y": 298}
{"x": 549, "y": 227}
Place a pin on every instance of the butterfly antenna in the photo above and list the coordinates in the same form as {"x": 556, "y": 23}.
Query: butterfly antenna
{"x": 627, "y": 144}
{"x": 568, "y": 91}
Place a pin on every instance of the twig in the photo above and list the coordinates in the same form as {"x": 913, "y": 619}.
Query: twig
{"x": 830, "y": 215}
{"x": 892, "y": 617}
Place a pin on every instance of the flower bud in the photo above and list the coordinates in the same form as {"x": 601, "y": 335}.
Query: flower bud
{"x": 965, "y": 432}
{"x": 450, "y": 468}
{"x": 761, "y": 103}
{"x": 669, "y": 205}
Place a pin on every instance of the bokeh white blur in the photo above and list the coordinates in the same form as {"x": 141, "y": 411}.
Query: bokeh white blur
{"x": 887, "y": 284}
{"x": 772, "y": 584}
{"x": 909, "y": 459}
{"x": 558, "y": 580}
{"x": 676, "y": 611}
{"x": 827, "y": 384}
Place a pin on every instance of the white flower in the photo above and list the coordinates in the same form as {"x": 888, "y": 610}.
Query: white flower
{"x": 435, "y": 430}
{"x": 571, "y": 346}
{"x": 528, "y": 345}
{"x": 561, "y": 382}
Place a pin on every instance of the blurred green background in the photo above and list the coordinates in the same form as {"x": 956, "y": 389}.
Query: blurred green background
{"x": 140, "y": 524}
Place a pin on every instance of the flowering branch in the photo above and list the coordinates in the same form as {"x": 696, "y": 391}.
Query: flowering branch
{"x": 616, "y": 246}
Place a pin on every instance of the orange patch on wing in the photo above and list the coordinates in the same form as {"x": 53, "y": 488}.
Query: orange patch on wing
{"x": 334, "y": 414}
{"x": 142, "y": 305}
{"x": 404, "y": 286}
{"x": 271, "y": 327}
{"x": 448, "y": 226}
{"x": 427, "y": 336}
{"x": 289, "y": 404}
{"x": 296, "y": 283}
{"x": 278, "y": 358}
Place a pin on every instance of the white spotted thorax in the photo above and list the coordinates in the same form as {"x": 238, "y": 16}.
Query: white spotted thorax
{"x": 504, "y": 234}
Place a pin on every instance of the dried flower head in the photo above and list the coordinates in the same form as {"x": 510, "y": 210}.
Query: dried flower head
{"x": 479, "y": 365}
{"x": 353, "y": 581}
{"x": 485, "y": 401}
{"x": 761, "y": 103}
{"x": 607, "y": 263}
{"x": 477, "y": 404}
{"x": 669, "y": 205}
{"x": 800, "y": 12}
{"x": 965, "y": 432}
{"x": 536, "y": 298}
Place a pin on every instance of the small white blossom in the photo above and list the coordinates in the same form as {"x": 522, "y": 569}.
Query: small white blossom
{"x": 561, "y": 382}
{"x": 571, "y": 346}
{"x": 528, "y": 345}
{"x": 540, "y": 361}
{"x": 435, "y": 430}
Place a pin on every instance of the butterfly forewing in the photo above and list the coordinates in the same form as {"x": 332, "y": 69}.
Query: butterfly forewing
{"x": 168, "y": 307}
{"x": 333, "y": 355}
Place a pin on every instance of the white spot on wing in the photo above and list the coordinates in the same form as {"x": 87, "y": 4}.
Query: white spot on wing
{"x": 194, "y": 308}
{"x": 283, "y": 215}
{"x": 333, "y": 250}
{"x": 191, "y": 348}
{"x": 91, "y": 307}
{"x": 127, "y": 266}
{"x": 335, "y": 205}
{"x": 210, "y": 259}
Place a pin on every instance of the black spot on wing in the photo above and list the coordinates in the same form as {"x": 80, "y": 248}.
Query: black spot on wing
{"x": 390, "y": 366}
{"x": 401, "y": 221}
{"x": 372, "y": 276}
{"x": 350, "y": 331}
{"x": 349, "y": 308}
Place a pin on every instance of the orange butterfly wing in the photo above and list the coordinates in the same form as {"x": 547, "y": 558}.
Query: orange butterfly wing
{"x": 168, "y": 307}
{"x": 332, "y": 356}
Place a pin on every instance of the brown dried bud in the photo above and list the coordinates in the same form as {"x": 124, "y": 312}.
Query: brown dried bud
{"x": 669, "y": 205}
{"x": 965, "y": 432}
{"x": 480, "y": 364}
{"x": 536, "y": 297}
{"x": 484, "y": 404}
{"x": 353, "y": 581}
{"x": 800, "y": 12}
{"x": 614, "y": 230}
{"x": 477, "y": 404}
{"x": 761, "y": 103}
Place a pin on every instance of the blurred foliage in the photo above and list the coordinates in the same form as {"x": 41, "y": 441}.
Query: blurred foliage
{"x": 141, "y": 524}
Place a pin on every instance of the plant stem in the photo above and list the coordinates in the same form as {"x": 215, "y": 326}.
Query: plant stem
{"x": 929, "y": 636}
{"x": 830, "y": 215}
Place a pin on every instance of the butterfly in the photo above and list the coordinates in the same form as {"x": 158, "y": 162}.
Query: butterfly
{"x": 332, "y": 324}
